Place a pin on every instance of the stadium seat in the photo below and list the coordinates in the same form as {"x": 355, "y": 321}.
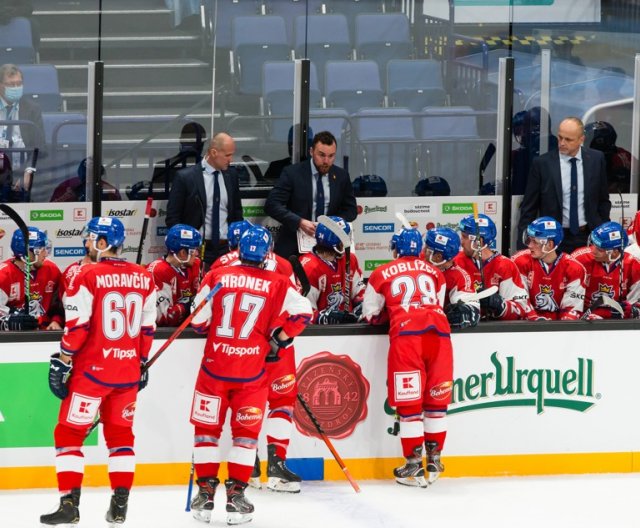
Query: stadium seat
{"x": 41, "y": 85}
{"x": 290, "y": 10}
{"x": 382, "y": 37}
{"x": 336, "y": 121}
{"x": 16, "y": 44}
{"x": 353, "y": 85}
{"x": 415, "y": 83}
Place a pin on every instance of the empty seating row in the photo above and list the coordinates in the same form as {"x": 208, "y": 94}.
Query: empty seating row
{"x": 16, "y": 43}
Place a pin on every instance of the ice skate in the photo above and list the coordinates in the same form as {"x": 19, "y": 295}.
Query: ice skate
{"x": 67, "y": 513}
{"x": 434, "y": 466}
{"x": 117, "y": 512}
{"x": 280, "y": 477}
{"x": 239, "y": 509}
{"x": 411, "y": 474}
{"x": 254, "y": 481}
{"x": 202, "y": 505}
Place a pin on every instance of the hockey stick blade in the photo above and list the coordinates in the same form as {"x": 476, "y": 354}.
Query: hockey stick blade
{"x": 403, "y": 220}
{"x": 482, "y": 294}
{"x": 300, "y": 274}
{"x": 335, "y": 228}
{"x": 613, "y": 304}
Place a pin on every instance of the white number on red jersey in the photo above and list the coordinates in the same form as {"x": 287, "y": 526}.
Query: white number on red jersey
{"x": 251, "y": 304}
{"x": 407, "y": 286}
{"x": 121, "y": 314}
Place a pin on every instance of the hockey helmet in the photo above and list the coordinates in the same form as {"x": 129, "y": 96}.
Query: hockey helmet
{"x": 443, "y": 240}
{"x": 408, "y": 243}
{"x": 108, "y": 227}
{"x": 235, "y": 231}
{"x": 609, "y": 236}
{"x": 369, "y": 185}
{"x": 600, "y": 135}
{"x": 325, "y": 237}
{"x": 255, "y": 244}
{"x": 182, "y": 236}
{"x": 544, "y": 228}
{"x": 485, "y": 228}
{"x": 37, "y": 240}
{"x": 432, "y": 186}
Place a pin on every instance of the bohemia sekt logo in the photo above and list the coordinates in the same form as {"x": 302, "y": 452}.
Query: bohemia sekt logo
{"x": 336, "y": 392}
{"x": 508, "y": 386}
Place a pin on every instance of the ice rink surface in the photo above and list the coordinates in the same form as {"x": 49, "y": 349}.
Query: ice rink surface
{"x": 583, "y": 501}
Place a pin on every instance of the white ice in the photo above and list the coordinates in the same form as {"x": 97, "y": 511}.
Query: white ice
{"x": 583, "y": 501}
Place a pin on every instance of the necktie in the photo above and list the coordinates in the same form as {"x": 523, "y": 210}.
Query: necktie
{"x": 574, "y": 225}
{"x": 319, "y": 197}
{"x": 215, "y": 212}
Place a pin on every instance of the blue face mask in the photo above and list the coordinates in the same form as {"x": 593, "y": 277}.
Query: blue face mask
{"x": 13, "y": 93}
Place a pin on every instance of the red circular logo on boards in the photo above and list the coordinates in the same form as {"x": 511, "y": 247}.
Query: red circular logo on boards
{"x": 336, "y": 392}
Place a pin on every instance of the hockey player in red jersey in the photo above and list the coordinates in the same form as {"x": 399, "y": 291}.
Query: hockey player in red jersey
{"x": 325, "y": 269}
{"x": 634, "y": 229}
{"x": 420, "y": 362}
{"x": 488, "y": 268}
{"x": 281, "y": 375}
{"x": 45, "y": 307}
{"x": 177, "y": 274}
{"x": 607, "y": 274}
{"x": 245, "y": 327}
{"x": 442, "y": 244}
{"x": 110, "y": 312}
{"x": 554, "y": 280}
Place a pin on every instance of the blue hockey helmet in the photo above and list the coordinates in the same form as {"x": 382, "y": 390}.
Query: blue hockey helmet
{"x": 37, "y": 240}
{"x": 182, "y": 236}
{"x": 255, "y": 244}
{"x": 108, "y": 227}
{"x": 235, "y": 231}
{"x": 325, "y": 237}
{"x": 432, "y": 186}
{"x": 609, "y": 236}
{"x": 544, "y": 228}
{"x": 443, "y": 240}
{"x": 408, "y": 243}
{"x": 485, "y": 227}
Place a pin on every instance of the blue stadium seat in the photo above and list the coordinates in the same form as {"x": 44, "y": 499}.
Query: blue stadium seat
{"x": 382, "y": 37}
{"x": 386, "y": 147}
{"x": 228, "y": 10}
{"x": 16, "y": 44}
{"x": 290, "y": 10}
{"x": 415, "y": 83}
{"x": 257, "y": 39}
{"x": 41, "y": 85}
{"x": 352, "y": 8}
{"x": 353, "y": 85}
{"x": 322, "y": 38}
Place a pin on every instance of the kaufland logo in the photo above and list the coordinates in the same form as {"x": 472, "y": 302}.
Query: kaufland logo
{"x": 122, "y": 212}
{"x": 505, "y": 385}
{"x": 68, "y": 252}
{"x": 377, "y": 228}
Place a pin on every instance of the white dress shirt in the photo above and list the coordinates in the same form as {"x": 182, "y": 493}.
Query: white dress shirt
{"x": 565, "y": 171}
{"x": 207, "y": 173}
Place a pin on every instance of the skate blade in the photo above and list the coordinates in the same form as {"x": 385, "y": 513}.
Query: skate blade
{"x": 201, "y": 515}
{"x": 254, "y": 482}
{"x": 114, "y": 524}
{"x": 283, "y": 486}
{"x": 64, "y": 525}
{"x": 415, "y": 482}
{"x": 234, "y": 518}
{"x": 433, "y": 476}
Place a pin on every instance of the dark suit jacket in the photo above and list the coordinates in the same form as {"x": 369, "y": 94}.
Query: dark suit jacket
{"x": 187, "y": 198}
{"x": 543, "y": 194}
{"x": 291, "y": 199}
{"x": 32, "y": 136}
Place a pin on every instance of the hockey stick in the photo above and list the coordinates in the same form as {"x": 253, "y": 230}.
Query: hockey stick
{"x": 335, "y": 228}
{"x": 190, "y": 487}
{"x": 324, "y": 437}
{"x": 170, "y": 340}
{"x": 476, "y": 219}
{"x": 11, "y": 213}
{"x": 484, "y": 163}
{"x": 482, "y": 294}
{"x": 602, "y": 300}
{"x": 300, "y": 274}
{"x": 145, "y": 223}
{"x": 253, "y": 167}
{"x": 403, "y": 220}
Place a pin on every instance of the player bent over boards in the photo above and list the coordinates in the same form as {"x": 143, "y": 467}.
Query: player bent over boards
{"x": 242, "y": 334}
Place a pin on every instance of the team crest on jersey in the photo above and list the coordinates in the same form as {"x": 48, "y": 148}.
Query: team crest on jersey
{"x": 249, "y": 416}
{"x": 336, "y": 391}
{"x": 545, "y": 300}
{"x": 283, "y": 384}
{"x": 477, "y": 286}
{"x": 603, "y": 289}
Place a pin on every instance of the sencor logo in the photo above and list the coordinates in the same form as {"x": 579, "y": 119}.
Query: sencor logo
{"x": 377, "y": 228}
{"x": 68, "y": 252}
{"x": 46, "y": 214}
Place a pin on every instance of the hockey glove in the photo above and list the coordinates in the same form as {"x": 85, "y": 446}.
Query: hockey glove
{"x": 59, "y": 373}
{"x": 631, "y": 311}
{"x": 493, "y": 306}
{"x": 19, "y": 321}
{"x": 462, "y": 315}
{"x": 333, "y": 317}
{"x": 144, "y": 376}
{"x": 277, "y": 344}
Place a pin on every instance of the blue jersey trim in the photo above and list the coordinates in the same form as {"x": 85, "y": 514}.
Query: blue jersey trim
{"x": 233, "y": 380}
{"x": 114, "y": 385}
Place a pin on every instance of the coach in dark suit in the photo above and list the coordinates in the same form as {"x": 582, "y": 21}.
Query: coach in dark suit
{"x": 570, "y": 185}
{"x": 207, "y": 196}
{"x": 307, "y": 190}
